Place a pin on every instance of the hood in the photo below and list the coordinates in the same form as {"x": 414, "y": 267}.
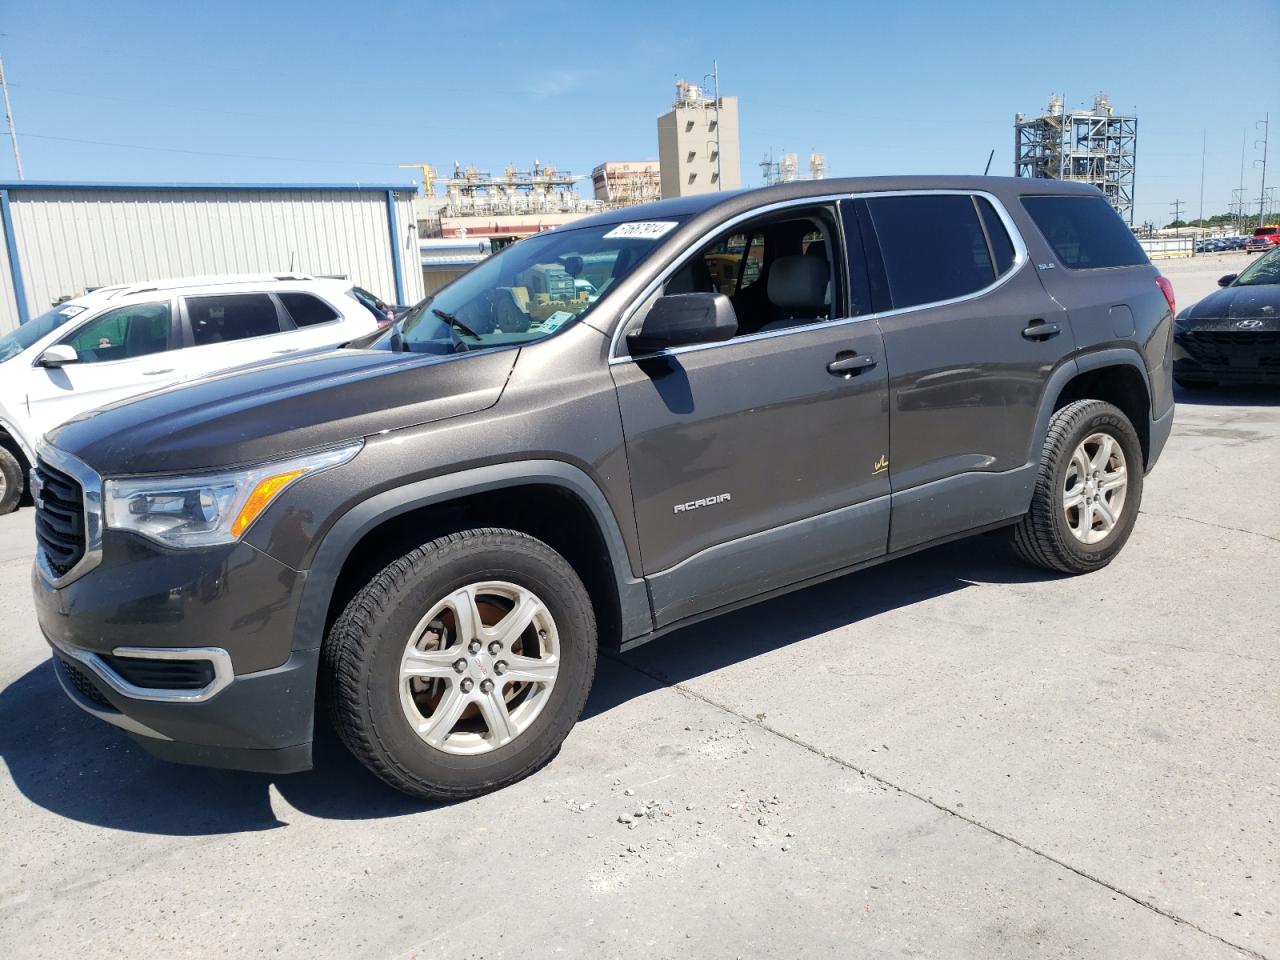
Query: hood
{"x": 270, "y": 411}
{"x": 1260, "y": 302}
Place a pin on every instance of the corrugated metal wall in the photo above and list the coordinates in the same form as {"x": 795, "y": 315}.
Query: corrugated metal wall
{"x": 72, "y": 239}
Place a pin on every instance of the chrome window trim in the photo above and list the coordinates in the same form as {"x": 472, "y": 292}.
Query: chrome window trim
{"x": 223, "y": 675}
{"x": 91, "y": 495}
{"x": 1020, "y": 258}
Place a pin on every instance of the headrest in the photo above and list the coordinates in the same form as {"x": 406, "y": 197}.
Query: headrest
{"x": 798, "y": 281}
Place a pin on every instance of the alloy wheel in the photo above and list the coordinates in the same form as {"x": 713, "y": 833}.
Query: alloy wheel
{"x": 479, "y": 667}
{"x": 1093, "y": 493}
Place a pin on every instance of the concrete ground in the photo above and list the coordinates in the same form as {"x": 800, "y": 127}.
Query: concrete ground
{"x": 949, "y": 756}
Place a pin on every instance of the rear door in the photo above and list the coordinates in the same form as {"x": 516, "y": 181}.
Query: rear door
{"x": 971, "y": 339}
{"x": 753, "y": 465}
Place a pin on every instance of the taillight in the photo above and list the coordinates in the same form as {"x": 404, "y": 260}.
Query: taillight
{"x": 1167, "y": 289}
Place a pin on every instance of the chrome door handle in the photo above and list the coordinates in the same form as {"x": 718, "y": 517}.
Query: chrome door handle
{"x": 848, "y": 365}
{"x": 1039, "y": 330}
{"x": 156, "y": 373}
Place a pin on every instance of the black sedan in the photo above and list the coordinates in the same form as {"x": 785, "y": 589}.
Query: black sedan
{"x": 1232, "y": 335}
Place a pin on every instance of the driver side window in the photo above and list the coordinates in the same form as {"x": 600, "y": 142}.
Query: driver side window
{"x": 124, "y": 334}
{"x": 778, "y": 272}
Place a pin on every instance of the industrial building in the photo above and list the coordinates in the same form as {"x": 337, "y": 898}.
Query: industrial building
{"x": 698, "y": 143}
{"x": 1087, "y": 146}
{"x": 786, "y": 169}
{"x": 622, "y": 183}
{"x": 62, "y": 239}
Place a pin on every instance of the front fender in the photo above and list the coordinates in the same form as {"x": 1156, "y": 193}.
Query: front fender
{"x": 343, "y": 536}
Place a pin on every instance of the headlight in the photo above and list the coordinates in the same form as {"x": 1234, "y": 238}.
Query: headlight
{"x": 203, "y": 509}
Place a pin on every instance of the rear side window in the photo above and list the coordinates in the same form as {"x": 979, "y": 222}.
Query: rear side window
{"x": 307, "y": 310}
{"x": 237, "y": 316}
{"x": 1085, "y": 232}
{"x": 933, "y": 247}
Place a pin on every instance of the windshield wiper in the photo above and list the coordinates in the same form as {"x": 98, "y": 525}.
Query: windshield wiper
{"x": 454, "y": 322}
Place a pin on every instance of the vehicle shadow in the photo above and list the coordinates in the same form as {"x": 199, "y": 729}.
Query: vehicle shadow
{"x": 1261, "y": 395}
{"x": 77, "y": 767}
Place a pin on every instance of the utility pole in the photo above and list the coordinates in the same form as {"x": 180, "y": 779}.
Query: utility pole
{"x": 1244, "y": 136}
{"x": 1204, "y": 141}
{"x": 1177, "y": 217}
{"x": 8, "y": 117}
{"x": 1265, "y": 124}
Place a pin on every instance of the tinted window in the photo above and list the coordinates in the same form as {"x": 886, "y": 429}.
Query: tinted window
{"x": 237, "y": 316}
{"x": 1085, "y": 232}
{"x": 124, "y": 333}
{"x": 933, "y": 247}
{"x": 1001, "y": 245}
{"x": 307, "y": 310}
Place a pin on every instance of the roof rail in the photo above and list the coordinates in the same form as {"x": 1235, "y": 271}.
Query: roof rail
{"x": 213, "y": 280}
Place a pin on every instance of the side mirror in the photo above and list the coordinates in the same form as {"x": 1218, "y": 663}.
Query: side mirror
{"x": 59, "y": 355}
{"x": 1227, "y": 280}
{"x": 680, "y": 319}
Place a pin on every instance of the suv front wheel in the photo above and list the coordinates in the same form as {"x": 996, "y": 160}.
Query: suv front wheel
{"x": 463, "y": 665}
{"x": 1087, "y": 491}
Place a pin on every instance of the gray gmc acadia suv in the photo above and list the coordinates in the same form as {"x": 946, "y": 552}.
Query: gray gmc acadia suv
{"x": 601, "y": 434}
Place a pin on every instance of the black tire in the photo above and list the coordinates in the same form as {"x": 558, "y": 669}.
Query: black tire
{"x": 12, "y": 482}
{"x": 1043, "y": 537}
{"x": 1194, "y": 384}
{"x": 362, "y": 653}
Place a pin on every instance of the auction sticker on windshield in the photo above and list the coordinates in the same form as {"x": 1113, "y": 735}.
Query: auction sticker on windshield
{"x": 641, "y": 229}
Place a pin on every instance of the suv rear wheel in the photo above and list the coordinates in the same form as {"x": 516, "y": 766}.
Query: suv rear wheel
{"x": 463, "y": 665}
{"x": 1087, "y": 492}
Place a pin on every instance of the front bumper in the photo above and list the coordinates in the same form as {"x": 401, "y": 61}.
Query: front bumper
{"x": 260, "y": 721}
{"x": 190, "y": 652}
{"x": 1227, "y": 355}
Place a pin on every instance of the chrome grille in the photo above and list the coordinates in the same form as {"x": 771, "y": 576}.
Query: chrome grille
{"x": 60, "y": 521}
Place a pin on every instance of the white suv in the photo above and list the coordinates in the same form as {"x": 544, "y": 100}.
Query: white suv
{"x": 122, "y": 341}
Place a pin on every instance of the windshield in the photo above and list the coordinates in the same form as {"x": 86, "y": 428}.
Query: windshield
{"x": 529, "y": 291}
{"x": 12, "y": 344}
{"x": 1263, "y": 271}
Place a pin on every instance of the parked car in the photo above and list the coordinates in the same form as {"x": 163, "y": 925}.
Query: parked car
{"x": 1232, "y": 335}
{"x": 385, "y": 313}
{"x": 122, "y": 341}
{"x": 427, "y": 537}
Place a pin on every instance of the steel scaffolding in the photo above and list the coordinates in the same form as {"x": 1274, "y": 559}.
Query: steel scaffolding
{"x": 1087, "y": 146}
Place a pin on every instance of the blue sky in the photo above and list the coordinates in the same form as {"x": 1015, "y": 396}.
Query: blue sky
{"x": 287, "y": 91}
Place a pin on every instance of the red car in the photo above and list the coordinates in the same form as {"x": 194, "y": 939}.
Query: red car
{"x": 1263, "y": 239}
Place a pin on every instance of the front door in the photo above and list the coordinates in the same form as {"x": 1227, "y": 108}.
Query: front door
{"x": 753, "y": 465}
{"x": 122, "y": 353}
